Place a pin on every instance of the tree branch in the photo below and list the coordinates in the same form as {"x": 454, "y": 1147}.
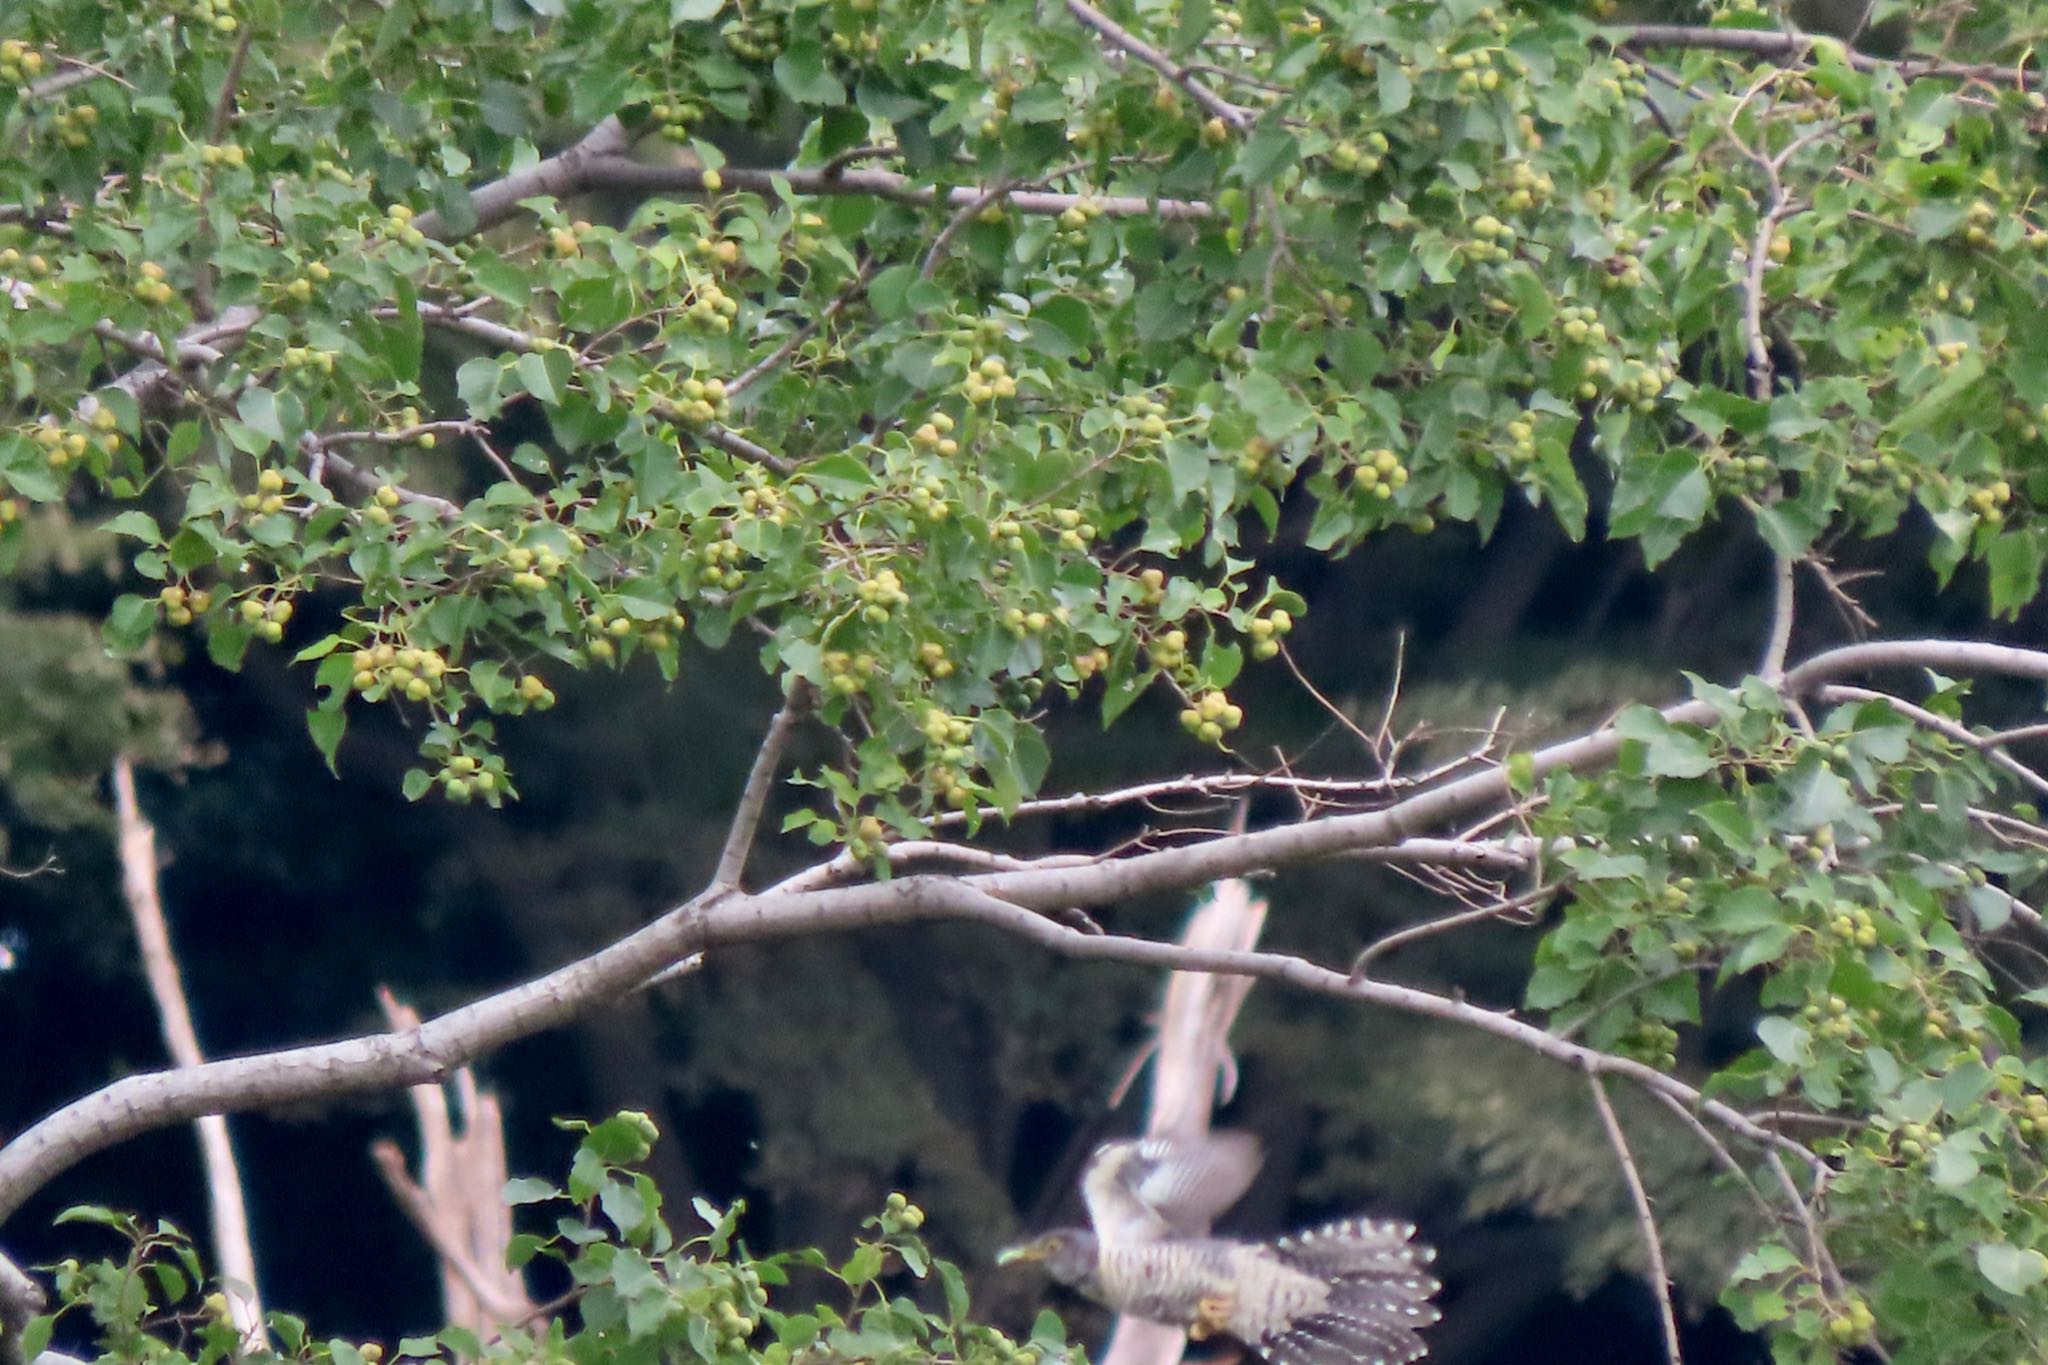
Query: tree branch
{"x": 1800, "y": 47}
{"x": 1646, "y": 1217}
{"x": 746, "y": 819}
{"x": 1988, "y": 745}
{"x": 619, "y": 173}
{"x": 228, "y": 1213}
{"x": 21, "y": 1298}
{"x": 1121, "y": 38}
{"x": 1014, "y": 901}
{"x": 1782, "y": 602}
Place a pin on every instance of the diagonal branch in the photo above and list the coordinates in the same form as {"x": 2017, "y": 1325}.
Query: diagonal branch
{"x": 227, "y": 1211}
{"x": 1121, "y": 38}
{"x": 746, "y": 820}
{"x": 1017, "y": 902}
{"x": 1646, "y": 1218}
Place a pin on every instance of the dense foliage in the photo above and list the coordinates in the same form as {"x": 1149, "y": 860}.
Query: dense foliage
{"x": 959, "y": 356}
{"x": 640, "y": 1292}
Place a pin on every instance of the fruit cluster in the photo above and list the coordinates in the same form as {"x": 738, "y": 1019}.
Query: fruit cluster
{"x": 217, "y": 15}
{"x": 1363, "y": 156}
{"x": 1491, "y": 240}
{"x": 936, "y": 436}
{"x": 63, "y": 447}
{"x": 1380, "y": 473}
{"x": 988, "y": 381}
{"x": 1651, "y": 1042}
{"x": 847, "y": 673}
{"x": 703, "y": 401}
{"x": 398, "y": 225}
{"x": 182, "y": 605}
{"x": 1147, "y": 414}
{"x": 414, "y": 673}
{"x": 722, "y": 562}
{"x": 464, "y": 776}
{"x": 1853, "y": 924}
{"x": 381, "y": 505}
{"x": 708, "y": 308}
{"x": 757, "y": 39}
{"x": 1989, "y": 502}
{"x": 268, "y": 497}
{"x": 151, "y": 286}
{"x": 1266, "y": 632}
{"x": 675, "y": 120}
{"x": 1212, "y": 717}
{"x": 1074, "y": 219}
{"x": 74, "y": 126}
{"x": 1526, "y": 186}
{"x": 1075, "y": 534}
{"x": 20, "y": 64}
{"x": 532, "y": 570}
{"x": 880, "y": 593}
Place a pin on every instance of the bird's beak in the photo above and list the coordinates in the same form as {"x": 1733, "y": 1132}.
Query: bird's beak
{"x": 1027, "y": 1251}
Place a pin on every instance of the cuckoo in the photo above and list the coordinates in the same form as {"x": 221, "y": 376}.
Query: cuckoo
{"x": 1347, "y": 1293}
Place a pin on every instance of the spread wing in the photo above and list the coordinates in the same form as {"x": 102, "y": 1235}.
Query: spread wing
{"x": 1147, "y": 1188}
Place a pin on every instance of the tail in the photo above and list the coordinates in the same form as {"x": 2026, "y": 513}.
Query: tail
{"x": 1377, "y": 1296}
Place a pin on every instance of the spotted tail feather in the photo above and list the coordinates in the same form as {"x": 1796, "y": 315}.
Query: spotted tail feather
{"x": 1378, "y": 1296}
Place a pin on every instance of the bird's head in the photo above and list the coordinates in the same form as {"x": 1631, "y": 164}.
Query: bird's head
{"x": 1068, "y": 1255}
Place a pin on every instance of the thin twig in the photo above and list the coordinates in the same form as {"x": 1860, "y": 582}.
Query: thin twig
{"x": 1646, "y": 1217}
{"x": 1387, "y": 943}
{"x": 1988, "y": 745}
{"x": 1117, "y": 36}
{"x": 769, "y": 363}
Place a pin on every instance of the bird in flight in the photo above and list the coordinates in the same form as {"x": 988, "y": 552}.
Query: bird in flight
{"x": 1347, "y": 1293}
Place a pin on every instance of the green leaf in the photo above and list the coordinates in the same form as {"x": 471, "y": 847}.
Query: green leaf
{"x": 134, "y": 523}
{"x": 2012, "y": 1269}
{"x": 528, "y": 1190}
{"x": 801, "y": 73}
{"x": 1667, "y": 750}
{"x": 863, "y": 1265}
{"x": 327, "y": 724}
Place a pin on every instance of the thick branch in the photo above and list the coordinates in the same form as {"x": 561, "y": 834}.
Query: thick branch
{"x": 1015, "y": 901}
{"x": 228, "y": 1213}
{"x": 21, "y": 1298}
{"x": 1800, "y": 47}
{"x": 619, "y": 173}
{"x": 560, "y": 175}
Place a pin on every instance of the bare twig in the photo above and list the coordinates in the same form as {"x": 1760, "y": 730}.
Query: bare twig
{"x": 1121, "y": 38}
{"x": 1504, "y": 910}
{"x": 1646, "y": 1217}
{"x": 769, "y": 363}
